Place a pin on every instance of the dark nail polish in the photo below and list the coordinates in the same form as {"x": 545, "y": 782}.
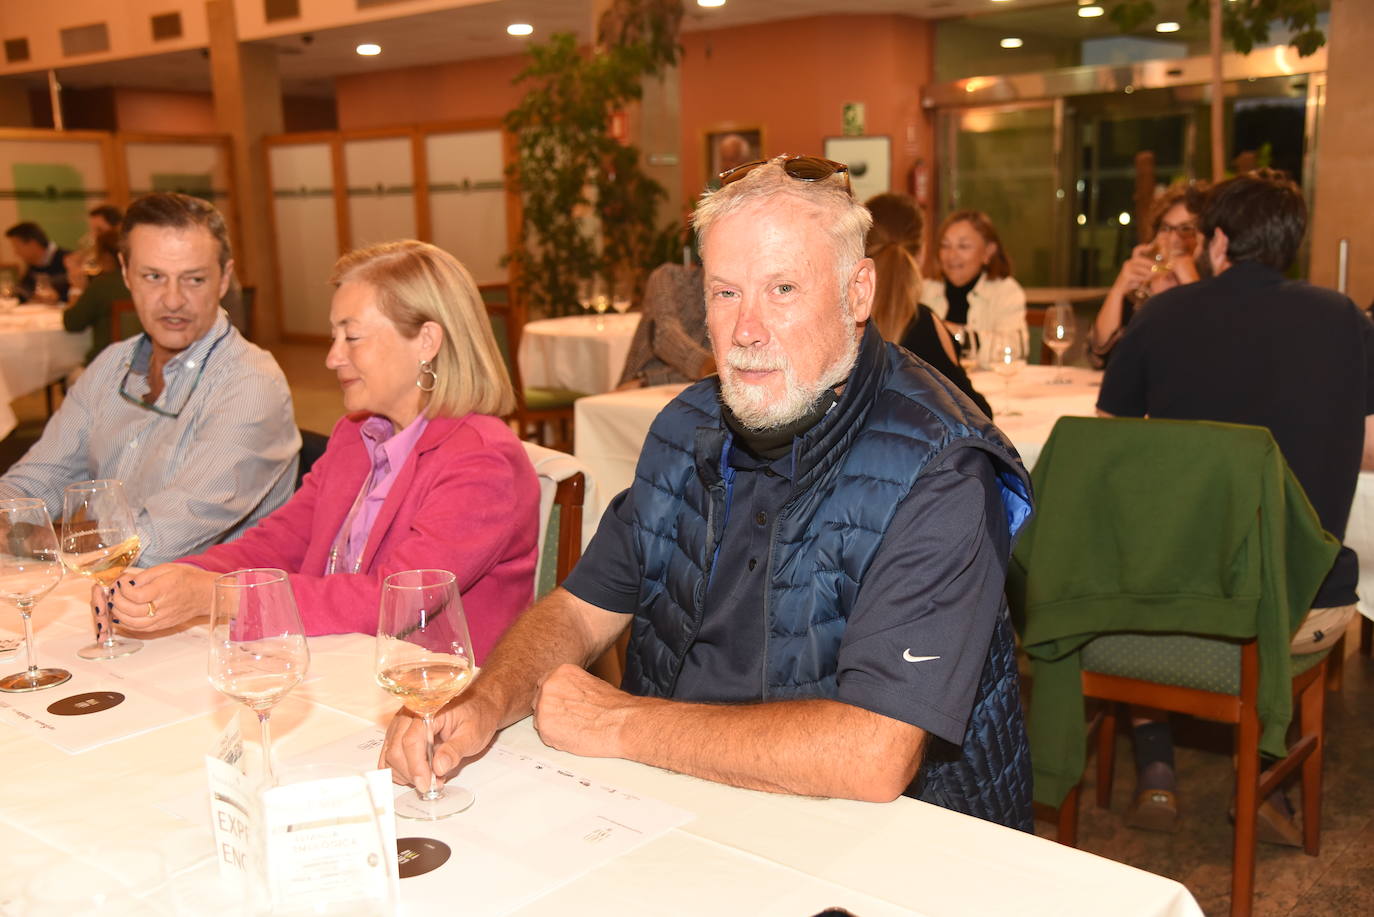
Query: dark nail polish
{"x": 110, "y": 605}
{"x": 114, "y": 619}
{"x": 132, "y": 583}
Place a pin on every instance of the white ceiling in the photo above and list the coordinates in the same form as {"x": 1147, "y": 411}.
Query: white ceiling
{"x": 310, "y": 61}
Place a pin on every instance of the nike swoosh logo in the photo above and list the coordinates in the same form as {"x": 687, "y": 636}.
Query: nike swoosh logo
{"x": 906, "y": 654}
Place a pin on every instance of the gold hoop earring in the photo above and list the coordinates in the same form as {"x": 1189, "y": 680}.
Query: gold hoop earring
{"x": 426, "y": 370}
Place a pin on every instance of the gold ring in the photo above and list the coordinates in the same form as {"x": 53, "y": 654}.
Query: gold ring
{"x": 152, "y": 610}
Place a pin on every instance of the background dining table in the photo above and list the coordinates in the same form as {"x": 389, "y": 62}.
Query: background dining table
{"x": 35, "y": 351}
{"x": 737, "y": 851}
{"x": 582, "y": 353}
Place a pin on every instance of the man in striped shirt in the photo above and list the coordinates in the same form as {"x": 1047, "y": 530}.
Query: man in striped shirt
{"x": 196, "y": 421}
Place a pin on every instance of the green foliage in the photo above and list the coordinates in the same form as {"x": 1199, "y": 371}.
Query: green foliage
{"x": 1244, "y": 23}
{"x": 588, "y": 206}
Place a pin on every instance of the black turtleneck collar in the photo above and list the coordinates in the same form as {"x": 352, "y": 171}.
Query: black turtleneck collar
{"x": 776, "y": 442}
{"x": 957, "y": 299}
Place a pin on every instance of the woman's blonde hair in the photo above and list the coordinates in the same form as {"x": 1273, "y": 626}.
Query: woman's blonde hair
{"x": 416, "y": 283}
{"x": 894, "y": 243}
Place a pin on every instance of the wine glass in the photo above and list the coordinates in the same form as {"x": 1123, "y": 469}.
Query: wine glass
{"x": 257, "y": 644}
{"x": 1161, "y": 264}
{"x": 99, "y": 541}
{"x": 1060, "y": 331}
{"x": 424, "y": 657}
{"x": 601, "y": 301}
{"x": 622, "y": 293}
{"x": 1007, "y": 353}
{"x": 29, "y": 569}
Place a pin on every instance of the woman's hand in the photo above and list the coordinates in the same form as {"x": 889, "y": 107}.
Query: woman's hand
{"x": 161, "y": 597}
{"x": 1137, "y": 271}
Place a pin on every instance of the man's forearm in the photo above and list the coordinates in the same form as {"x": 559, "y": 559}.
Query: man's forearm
{"x": 804, "y": 747}
{"x": 555, "y": 630}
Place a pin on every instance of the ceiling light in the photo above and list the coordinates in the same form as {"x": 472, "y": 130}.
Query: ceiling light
{"x": 1089, "y": 12}
{"x": 1167, "y": 27}
{"x": 519, "y": 29}
{"x": 1082, "y": 219}
{"x": 710, "y": 3}
{"x": 1124, "y": 218}
{"x": 1011, "y": 42}
{"x": 368, "y": 49}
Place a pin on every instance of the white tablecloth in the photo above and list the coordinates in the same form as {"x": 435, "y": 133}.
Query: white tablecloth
{"x": 580, "y": 352}
{"x": 34, "y": 351}
{"x": 744, "y": 853}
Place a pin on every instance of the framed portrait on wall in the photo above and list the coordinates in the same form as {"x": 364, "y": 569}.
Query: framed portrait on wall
{"x": 730, "y": 147}
{"x": 869, "y": 160}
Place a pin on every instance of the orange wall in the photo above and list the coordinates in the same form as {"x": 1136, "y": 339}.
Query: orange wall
{"x": 461, "y": 91}
{"x": 792, "y": 79}
{"x": 158, "y": 112}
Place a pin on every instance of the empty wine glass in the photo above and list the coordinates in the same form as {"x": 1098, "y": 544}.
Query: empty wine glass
{"x": 622, "y": 293}
{"x": 424, "y": 657}
{"x": 1007, "y": 353}
{"x": 29, "y": 569}
{"x": 99, "y": 542}
{"x": 258, "y": 651}
{"x": 1060, "y": 330}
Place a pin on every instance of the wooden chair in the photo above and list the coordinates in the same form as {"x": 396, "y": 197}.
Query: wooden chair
{"x": 119, "y": 309}
{"x": 562, "y": 549}
{"x": 541, "y": 415}
{"x": 1125, "y": 496}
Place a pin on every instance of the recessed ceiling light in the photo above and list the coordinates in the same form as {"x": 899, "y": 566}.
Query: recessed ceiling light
{"x": 519, "y": 29}
{"x": 1089, "y": 12}
{"x": 1167, "y": 27}
{"x": 1011, "y": 42}
{"x": 368, "y": 49}
{"x": 710, "y": 3}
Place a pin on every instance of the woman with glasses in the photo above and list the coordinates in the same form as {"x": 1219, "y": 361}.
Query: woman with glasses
{"x": 1167, "y": 260}
{"x": 975, "y": 293}
{"x": 421, "y": 472}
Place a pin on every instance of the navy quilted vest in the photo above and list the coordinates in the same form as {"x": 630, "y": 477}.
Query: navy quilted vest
{"x": 849, "y": 477}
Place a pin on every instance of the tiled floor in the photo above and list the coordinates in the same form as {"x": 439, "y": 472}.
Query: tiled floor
{"x": 1338, "y": 883}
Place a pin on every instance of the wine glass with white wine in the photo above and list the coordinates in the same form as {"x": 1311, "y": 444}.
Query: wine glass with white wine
{"x": 29, "y": 569}
{"x": 424, "y": 657}
{"x": 99, "y": 542}
{"x": 258, "y": 651}
{"x": 1007, "y": 354}
{"x": 1060, "y": 330}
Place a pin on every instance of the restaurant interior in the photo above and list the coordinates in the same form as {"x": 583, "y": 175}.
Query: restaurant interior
{"x": 317, "y": 127}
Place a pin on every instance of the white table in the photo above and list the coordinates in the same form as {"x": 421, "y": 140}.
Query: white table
{"x": 35, "y": 351}
{"x": 582, "y": 353}
{"x": 743, "y": 853}
{"x": 609, "y": 429}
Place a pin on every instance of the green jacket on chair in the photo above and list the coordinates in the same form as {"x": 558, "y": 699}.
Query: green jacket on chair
{"x": 1158, "y": 526}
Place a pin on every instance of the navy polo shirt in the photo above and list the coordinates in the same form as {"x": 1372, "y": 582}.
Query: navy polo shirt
{"x": 917, "y": 637}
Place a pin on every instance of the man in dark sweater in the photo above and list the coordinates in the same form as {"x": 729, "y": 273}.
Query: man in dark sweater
{"x": 1245, "y": 345}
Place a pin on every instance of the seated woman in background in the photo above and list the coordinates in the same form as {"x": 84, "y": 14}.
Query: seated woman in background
{"x": 421, "y": 473}
{"x": 894, "y": 244}
{"x": 103, "y": 289}
{"x": 1173, "y": 222}
{"x": 976, "y": 290}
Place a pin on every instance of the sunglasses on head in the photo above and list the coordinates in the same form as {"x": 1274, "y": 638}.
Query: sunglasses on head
{"x": 802, "y": 168}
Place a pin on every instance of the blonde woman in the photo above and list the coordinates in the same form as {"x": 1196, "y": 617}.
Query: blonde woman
{"x": 420, "y": 473}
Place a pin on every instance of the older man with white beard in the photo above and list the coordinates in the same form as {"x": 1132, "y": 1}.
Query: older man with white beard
{"x": 810, "y": 559}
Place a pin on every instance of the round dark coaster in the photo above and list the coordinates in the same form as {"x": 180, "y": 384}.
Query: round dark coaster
{"x": 419, "y": 855}
{"x": 82, "y": 704}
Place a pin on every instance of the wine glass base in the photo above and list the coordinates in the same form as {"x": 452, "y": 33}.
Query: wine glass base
{"x": 23, "y": 682}
{"x": 119, "y": 646}
{"x": 452, "y": 800}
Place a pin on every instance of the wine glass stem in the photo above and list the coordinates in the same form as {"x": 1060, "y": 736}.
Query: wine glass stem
{"x": 25, "y": 610}
{"x": 266, "y": 732}
{"x": 433, "y": 792}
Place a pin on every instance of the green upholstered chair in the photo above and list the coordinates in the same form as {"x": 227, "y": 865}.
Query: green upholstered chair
{"x": 540, "y": 413}
{"x": 1193, "y": 520}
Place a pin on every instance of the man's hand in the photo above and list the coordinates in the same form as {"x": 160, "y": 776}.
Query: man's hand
{"x": 461, "y": 730}
{"x": 576, "y": 712}
{"x": 162, "y": 597}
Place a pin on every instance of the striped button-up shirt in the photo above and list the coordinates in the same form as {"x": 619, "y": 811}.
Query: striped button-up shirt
{"x": 226, "y": 460}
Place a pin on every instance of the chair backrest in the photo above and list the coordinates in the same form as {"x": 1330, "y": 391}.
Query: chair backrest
{"x": 123, "y": 320}
{"x": 563, "y": 485}
{"x": 312, "y": 447}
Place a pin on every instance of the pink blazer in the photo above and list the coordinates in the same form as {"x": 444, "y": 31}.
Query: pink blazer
{"x": 466, "y": 501}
